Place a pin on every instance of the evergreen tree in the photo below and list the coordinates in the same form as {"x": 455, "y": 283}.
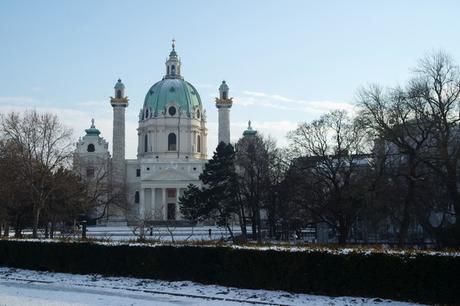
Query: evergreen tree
{"x": 192, "y": 204}
{"x": 218, "y": 197}
{"x": 220, "y": 182}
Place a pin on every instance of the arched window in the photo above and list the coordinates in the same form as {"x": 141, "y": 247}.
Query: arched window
{"x": 136, "y": 197}
{"x": 224, "y": 95}
{"x": 146, "y": 143}
{"x": 173, "y": 69}
{"x": 91, "y": 148}
{"x": 146, "y": 114}
{"x": 198, "y": 143}
{"x": 118, "y": 94}
{"x": 172, "y": 142}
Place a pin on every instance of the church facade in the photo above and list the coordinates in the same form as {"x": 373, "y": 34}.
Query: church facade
{"x": 171, "y": 151}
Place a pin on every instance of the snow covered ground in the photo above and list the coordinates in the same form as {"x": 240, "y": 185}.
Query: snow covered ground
{"x": 26, "y": 287}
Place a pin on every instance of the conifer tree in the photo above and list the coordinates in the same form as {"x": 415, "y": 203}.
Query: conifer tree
{"x": 218, "y": 197}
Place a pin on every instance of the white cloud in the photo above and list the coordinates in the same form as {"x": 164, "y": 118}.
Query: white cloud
{"x": 79, "y": 117}
{"x": 260, "y": 99}
{"x": 17, "y": 99}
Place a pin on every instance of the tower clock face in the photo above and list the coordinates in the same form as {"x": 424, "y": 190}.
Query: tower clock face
{"x": 172, "y": 111}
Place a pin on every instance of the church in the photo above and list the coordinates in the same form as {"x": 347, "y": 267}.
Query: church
{"x": 171, "y": 151}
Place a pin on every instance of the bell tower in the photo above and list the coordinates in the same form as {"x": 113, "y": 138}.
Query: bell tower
{"x": 119, "y": 104}
{"x": 223, "y": 104}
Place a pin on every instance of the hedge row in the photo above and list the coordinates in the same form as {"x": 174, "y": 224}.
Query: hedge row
{"x": 420, "y": 278}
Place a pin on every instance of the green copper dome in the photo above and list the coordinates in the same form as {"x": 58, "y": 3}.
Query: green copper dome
{"x": 173, "y": 91}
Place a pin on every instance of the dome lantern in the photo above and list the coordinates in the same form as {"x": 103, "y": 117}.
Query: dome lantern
{"x": 92, "y": 130}
{"x": 249, "y": 132}
{"x": 173, "y": 64}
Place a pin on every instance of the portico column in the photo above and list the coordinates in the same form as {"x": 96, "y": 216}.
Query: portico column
{"x": 142, "y": 204}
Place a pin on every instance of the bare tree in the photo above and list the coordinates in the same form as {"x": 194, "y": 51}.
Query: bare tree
{"x": 331, "y": 160}
{"x": 420, "y": 124}
{"x": 396, "y": 121}
{"x": 103, "y": 194}
{"x": 14, "y": 202}
{"x": 253, "y": 157}
{"x": 45, "y": 146}
{"x": 436, "y": 87}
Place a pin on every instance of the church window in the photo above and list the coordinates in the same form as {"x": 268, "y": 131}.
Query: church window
{"x": 89, "y": 172}
{"x": 198, "y": 143}
{"x": 136, "y": 197}
{"x": 118, "y": 94}
{"x": 138, "y": 172}
{"x": 91, "y": 148}
{"x": 198, "y": 114}
{"x": 146, "y": 143}
{"x": 173, "y": 69}
{"x": 172, "y": 142}
{"x": 224, "y": 95}
{"x": 172, "y": 111}
{"x": 146, "y": 113}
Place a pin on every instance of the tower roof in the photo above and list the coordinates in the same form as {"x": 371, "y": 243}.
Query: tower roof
{"x": 249, "y": 131}
{"x": 92, "y": 131}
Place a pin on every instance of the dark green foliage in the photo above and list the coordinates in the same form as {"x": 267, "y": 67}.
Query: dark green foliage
{"x": 420, "y": 278}
{"x": 218, "y": 196}
{"x": 193, "y": 205}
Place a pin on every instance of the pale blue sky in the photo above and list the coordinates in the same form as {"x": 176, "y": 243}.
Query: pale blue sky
{"x": 285, "y": 61}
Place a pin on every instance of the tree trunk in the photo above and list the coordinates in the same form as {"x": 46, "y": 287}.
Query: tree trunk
{"x": 229, "y": 230}
{"x": 343, "y": 233}
{"x": 36, "y": 222}
{"x": 6, "y": 230}
{"x": 242, "y": 220}
{"x": 259, "y": 225}
{"x": 52, "y": 230}
{"x": 46, "y": 231}
{"x": 17, "y": 232}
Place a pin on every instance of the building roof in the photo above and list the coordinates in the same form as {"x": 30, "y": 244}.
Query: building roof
{"x": 92, "y": 131}
{"x": 172, "y": 91}
{"x": 249, "y": 131}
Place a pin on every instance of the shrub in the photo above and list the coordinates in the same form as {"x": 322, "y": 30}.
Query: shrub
{"x": 421, "y": 277}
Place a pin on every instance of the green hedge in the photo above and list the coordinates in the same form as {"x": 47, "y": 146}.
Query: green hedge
{"x": 420, "y": 278}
